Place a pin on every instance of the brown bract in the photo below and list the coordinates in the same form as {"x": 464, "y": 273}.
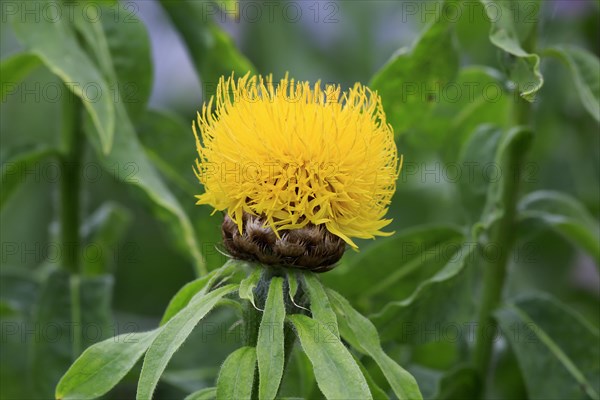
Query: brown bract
{"x": 312, "y": 248}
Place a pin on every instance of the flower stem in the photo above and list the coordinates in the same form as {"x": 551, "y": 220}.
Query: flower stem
{"x": 494, "y": 274}
{"x": 502, "y": 235}
{"x": 70, "y": 183}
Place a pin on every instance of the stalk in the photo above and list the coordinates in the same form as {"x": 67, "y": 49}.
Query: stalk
{"x": 70, "y": 183}
{"x": 494, "y": 274}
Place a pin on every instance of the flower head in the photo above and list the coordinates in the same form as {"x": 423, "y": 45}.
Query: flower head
{"x": 297, "y": 155}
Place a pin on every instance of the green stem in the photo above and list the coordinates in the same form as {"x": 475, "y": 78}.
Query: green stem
{"x": 70, "y": 183}
{"x": 502, "y": 235}
{"x": 493, "y": 281}
{"x": 252, "y": 318}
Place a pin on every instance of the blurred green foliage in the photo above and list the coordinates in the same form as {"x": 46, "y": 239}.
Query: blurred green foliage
{"x": 142, "y": 238}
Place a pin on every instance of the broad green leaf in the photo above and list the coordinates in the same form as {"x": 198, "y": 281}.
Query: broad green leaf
{"x": 212, "y": 50}
{"x": 410, "y": 83}
{"x": 172, "y": 336}
{"x": 319, "y": 303}
{"x": 128, "y": 162}
{"x": 121, "y": 46}
{"x": 72, "y": 313}
{"x": 270, "y": 347}
{"x": 103, "y": 365}
{"x": 377, "y": 392}
{"x": 393, "y": 268}
{"x": 102, "y": 232}
{"x": 584, "y": 67}
{"x": 477, "y": 154}
{"x": 477, "y": 96}
{"x": 196, "y": 364}
{"x": 299, "y": 377}
{"x": 162, "y": 135}
{"x": 565, "y": 215}
{"x": 336, "y": 373}
{"x": 547, "y": 336}
{"x": 247, "y": 285}
{"x": 203, "y": 394}
{"x": 14, "y": 169}
{"x": 401, "y": 320}
{"x": 50, "y": 40}
{"x": 237, "y": 375}
{"x": 14, "y": 69}
{"x": 362, "y": 335}
{"x": 122, "y": 49}
{"x": 199, "y": 286}
{"x": 184, "y": 295}
{"x": 508, "y": 32}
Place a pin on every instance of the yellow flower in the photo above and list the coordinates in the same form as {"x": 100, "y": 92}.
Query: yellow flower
{"x": 297, "y": 155}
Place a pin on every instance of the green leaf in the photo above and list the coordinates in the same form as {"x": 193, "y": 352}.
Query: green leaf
{"x": 162, "y": 134}
{"x": 121, "y": 47}
{"x": 247, "y": 285}
{"x": 377, "y": 392}
{"x": 203, "y": 394}
{"x": 547, "y": 336}
{"x": 63, "y": 325}
{"x": 299, "y": 377}
{"x": 50, "y": 40}
{"x": 565, "y": 215}
{"x": 14, "y": 169}
{"x": 14, "y": 69}
{"x": 403, "y": 320}
{"x": 270, "y": 344}
{"x": 337, "y": 374}
{"x": 507, "y": 33}
{"x": 172, "y": 336}
{"x": 392, "y": 268}
{"x": 410, "y": 81}
{"x": 237, "y": 375}
{"x": 102, "y": 231}
{"x": 477, "y": 153}
{"x": 199, "y": 286}
{"x": 584, "y": 67}
{"x": 319, "y": 303}
{"x": 362, "y": 335}
{"x": 292, "y": 279}
{"x": 184, "y": 295}
{"x": 477, "y": 96}
{"x": 212, "y": 50}
{"x": 103, "y": 365}
{"x": 128, "y": 162}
